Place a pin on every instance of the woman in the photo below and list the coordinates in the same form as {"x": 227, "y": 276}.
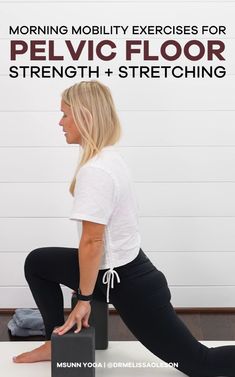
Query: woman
{"x": 109, "y": 263}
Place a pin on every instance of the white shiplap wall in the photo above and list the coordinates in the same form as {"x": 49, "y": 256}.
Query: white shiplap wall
{"x": 178, "y": 140}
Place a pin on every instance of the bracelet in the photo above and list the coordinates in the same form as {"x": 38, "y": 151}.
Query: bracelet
{"x": 83, "y": 297}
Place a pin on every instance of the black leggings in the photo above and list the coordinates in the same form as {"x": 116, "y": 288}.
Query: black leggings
{"x": 142, "y": 298}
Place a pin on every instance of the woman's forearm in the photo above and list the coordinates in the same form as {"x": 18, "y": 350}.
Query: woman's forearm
{"x": 89, "y": 257}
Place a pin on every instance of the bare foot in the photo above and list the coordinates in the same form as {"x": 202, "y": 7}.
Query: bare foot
{"x": 42, "y": 353}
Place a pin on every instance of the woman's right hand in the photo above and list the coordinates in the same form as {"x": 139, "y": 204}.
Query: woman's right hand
{"x": 79, "y": 315}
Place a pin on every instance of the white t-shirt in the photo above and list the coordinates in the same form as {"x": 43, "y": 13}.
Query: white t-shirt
{"x": 104, "y": 194}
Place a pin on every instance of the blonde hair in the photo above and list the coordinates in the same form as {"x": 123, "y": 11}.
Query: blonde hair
{"x": 95, "y": 116}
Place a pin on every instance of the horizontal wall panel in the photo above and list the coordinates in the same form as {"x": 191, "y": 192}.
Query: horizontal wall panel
{"x": 15, "y": 263}
{"x": 191, "y": 268}
{"x": 31, "y": 129}
{"x": 180, "y": 269}
{"x": 189, "y": 199}
{"x": 193, "y": 297}
{"x": 33, "y": 233}
{"x": 162, "y": 128}
{"x": 207, "y": 297}
{"x": 205, "y": 94}
{"x": 110, "y": 13}
{"x": 147, "y": 164}
{"x": 38, "y": 164}
{"x": 35, "y": 200}
{"x": 175, "y": 128}
{"x": 180, "y": 164}
{"x": 21, "y": 297}
{"x": 157, "y": 234}
{"x": 154, "y": 199}
{"x": 187, "y": 234}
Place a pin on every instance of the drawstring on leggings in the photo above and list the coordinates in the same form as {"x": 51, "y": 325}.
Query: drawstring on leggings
{"x": 109, "y": 276}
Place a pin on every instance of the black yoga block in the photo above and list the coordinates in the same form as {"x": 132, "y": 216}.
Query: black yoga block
{"x": 73, "y": 354}
{"x": 99, "y": 320}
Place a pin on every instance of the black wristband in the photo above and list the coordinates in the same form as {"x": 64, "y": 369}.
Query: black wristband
{"x": 83, "y": 297}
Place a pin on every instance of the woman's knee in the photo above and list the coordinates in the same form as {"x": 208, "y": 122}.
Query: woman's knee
{"x": 32, "y": 262}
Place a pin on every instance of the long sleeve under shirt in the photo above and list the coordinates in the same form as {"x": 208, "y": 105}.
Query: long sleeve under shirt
{"x": 104, "y": 194}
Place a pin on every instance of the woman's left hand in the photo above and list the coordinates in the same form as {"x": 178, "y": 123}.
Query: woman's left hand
{"x": 79, "y": 316}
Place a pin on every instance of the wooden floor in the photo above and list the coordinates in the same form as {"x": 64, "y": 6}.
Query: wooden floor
{"x": 202, "y": 326}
